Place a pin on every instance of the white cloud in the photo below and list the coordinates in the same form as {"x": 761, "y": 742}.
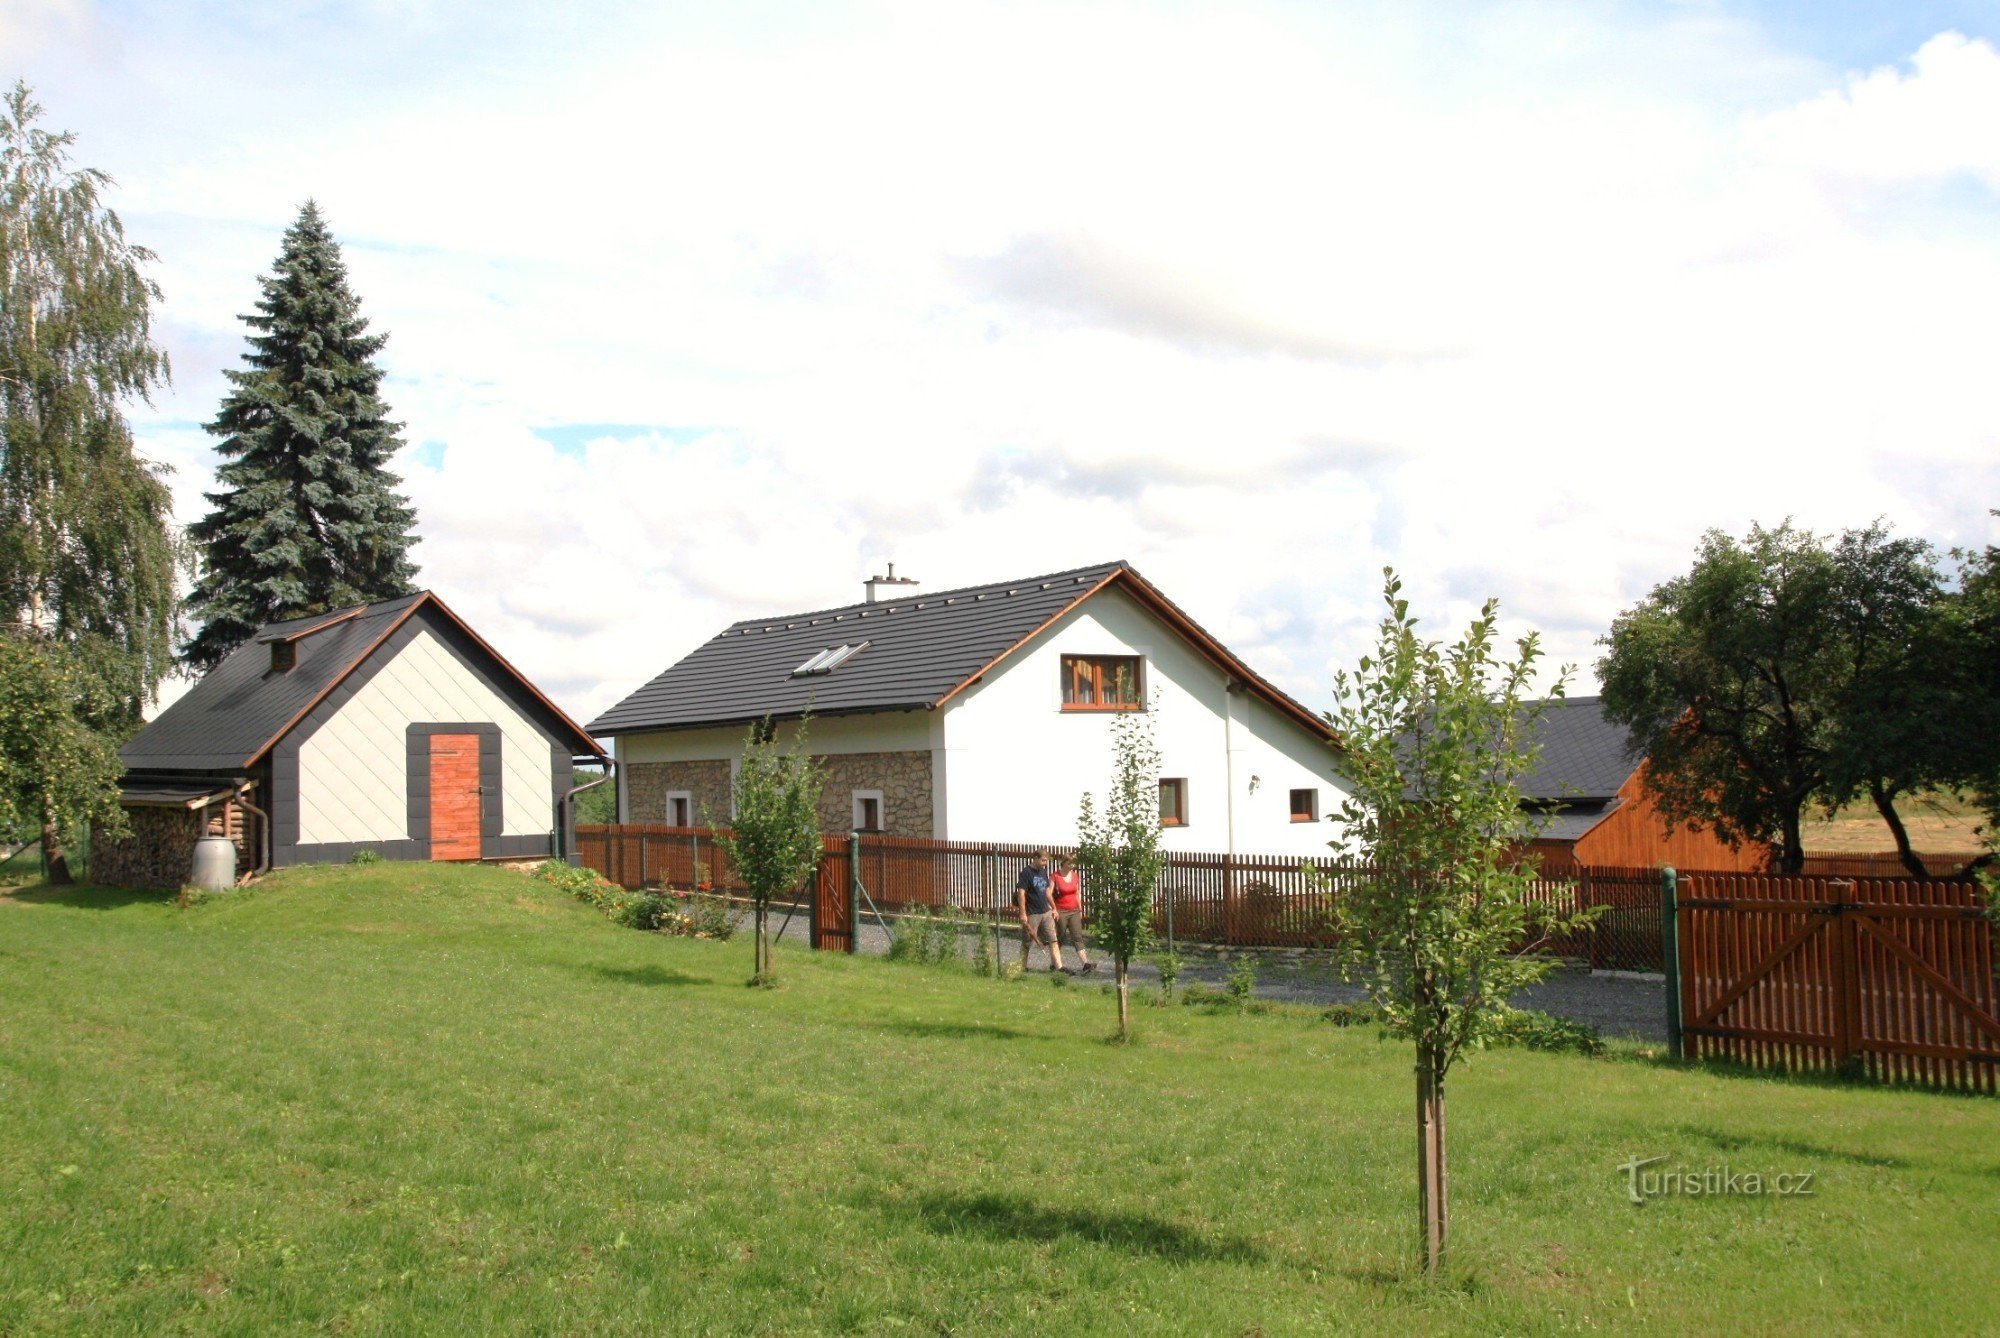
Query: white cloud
{"x": 1520, "y": 298}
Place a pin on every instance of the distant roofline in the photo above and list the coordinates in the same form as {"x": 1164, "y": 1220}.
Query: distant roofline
{"x": 788, "y": 621}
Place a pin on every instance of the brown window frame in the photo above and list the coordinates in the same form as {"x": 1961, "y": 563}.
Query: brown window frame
{"x": 1312, "y": 805}
{"x": 1097, "y": 667}
{"x": 1178, "y": 784}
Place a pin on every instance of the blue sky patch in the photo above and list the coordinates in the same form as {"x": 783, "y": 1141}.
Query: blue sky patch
{"x": 571, "y": 438}
{"x": 1867, "y": 34}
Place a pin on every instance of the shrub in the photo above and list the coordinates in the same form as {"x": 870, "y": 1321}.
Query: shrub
{"x": 365, "y": 855}
{"x": 1170, "y": 971}
{"x": 1352, "y": 1015}
{"x": 925, "y": 938}
{"x": 1539, "y": 1031}
{"x": 707, "y": 917}
{"x": 1242, "y": 980}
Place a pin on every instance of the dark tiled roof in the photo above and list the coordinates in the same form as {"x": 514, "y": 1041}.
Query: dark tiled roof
{"x": 239, "y": 706}
{"x": 920, "y": 648}
{"x": 1584, "y": 756}
{"x": 1570, "y": 823}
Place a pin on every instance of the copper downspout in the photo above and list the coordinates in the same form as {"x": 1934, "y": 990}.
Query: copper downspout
{"x": 263, "y": 860}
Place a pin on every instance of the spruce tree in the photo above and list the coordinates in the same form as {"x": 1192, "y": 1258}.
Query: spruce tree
{"x": 309, "y": 518}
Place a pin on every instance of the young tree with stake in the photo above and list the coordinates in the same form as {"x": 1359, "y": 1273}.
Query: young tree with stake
{"x": 774, "y": 839}
{"x": 1119, "y": 853}
{"x": 1434, "y": 740}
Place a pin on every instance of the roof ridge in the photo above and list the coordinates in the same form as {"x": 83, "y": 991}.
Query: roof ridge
{"x": 914, "y": 601}
{"x": 329, "y": 614}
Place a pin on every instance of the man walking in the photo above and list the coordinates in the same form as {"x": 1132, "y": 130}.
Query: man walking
{"x": 1038, "y": 922}
{"x": 1066, "y": 891}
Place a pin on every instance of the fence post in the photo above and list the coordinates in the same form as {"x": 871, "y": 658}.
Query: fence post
{"x": 1167, "y": 886}
{"x": 1586, "y": 898}
{"x": 853, "y": 892}
{"x": 1670, "y": 955}
{"x": 1228, "y": 898}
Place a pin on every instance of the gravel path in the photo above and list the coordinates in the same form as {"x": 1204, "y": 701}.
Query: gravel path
{"x": 1616, "y": 1003}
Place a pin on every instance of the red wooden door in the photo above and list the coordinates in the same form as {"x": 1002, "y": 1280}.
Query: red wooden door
{"x": 454, "y": 796}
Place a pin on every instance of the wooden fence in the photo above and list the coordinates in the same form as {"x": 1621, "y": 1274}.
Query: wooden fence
{"x": 1265, "y": 901}
{"x": 1894, "y": 978}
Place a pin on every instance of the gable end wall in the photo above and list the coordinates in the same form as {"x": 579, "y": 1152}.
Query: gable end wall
{"x": 340, "y": 778}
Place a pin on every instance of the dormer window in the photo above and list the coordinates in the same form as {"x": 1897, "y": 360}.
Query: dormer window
{"x": 284, "y": 655}
{"x": 828, "y": 660}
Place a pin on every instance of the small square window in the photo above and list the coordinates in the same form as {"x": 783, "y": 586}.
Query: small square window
{"x": 1102, "y": 683}
{"x": 867, "y": 810}
{"x": 1173, "y": 802}
{"x": 1305, "y": 806}
{"x": 680, "y": 808}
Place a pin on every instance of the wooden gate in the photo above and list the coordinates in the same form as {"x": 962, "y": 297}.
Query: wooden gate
{"x": 1893, "y": 977}
{"x": 833, "y": 898}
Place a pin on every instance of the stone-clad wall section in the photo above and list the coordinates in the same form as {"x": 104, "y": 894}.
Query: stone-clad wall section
{"x": 904, "y": 778}
{"x": 647, "y": 783}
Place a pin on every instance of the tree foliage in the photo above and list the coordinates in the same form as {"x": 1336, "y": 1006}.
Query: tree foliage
{"x": 774, "y": 841}
{"x": 309, "y": 518}
{"x": 1975, "y": 637}
{"x": 1434, "y": 741}
{"x": 1787, "y": 671}
{"x": 58, "y": 772}
{"x": 87, "y": 557}
{"x": 1118, "y": 850}
{"x": 86, "y": 553}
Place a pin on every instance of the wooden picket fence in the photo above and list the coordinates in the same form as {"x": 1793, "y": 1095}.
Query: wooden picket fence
{"x": 1228, "y": 900}
{"x": 1888, "y": 977}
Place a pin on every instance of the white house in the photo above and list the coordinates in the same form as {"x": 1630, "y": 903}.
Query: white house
{"x": 984, "y": 714}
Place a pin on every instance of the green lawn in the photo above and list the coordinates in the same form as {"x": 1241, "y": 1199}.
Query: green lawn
{"x": 421, "y": 1100}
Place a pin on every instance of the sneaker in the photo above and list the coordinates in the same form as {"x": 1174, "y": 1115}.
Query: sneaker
{"x": 1088, "y": 967}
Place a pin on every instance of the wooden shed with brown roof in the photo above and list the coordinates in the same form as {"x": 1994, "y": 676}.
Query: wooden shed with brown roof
{"x": 1590, "y": 786}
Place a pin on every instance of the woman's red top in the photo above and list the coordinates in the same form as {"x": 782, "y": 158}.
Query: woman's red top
{"x": 1068, "y": 889}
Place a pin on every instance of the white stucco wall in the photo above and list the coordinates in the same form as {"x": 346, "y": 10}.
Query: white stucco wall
{"x": 1017, "y": 764}
{"x": 353, "y": 771}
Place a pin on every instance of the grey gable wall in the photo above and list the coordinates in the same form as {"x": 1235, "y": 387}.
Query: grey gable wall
{"x": 286, "y": 848}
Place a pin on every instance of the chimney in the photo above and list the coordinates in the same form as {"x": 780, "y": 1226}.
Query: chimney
{"x": 890, "y": 579}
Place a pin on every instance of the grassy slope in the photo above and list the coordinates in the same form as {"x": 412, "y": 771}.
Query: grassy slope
{"x": 442, "y": 1099}
{"x": 1937, "y": 822}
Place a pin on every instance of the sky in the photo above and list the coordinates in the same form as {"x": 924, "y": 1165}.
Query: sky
{"x": 699, "y": 313}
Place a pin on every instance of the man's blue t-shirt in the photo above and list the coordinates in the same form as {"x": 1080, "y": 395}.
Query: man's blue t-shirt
{"x": 1034, "y": 882}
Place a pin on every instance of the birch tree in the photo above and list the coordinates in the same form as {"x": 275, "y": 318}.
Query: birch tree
{"x": 87, "y": 558}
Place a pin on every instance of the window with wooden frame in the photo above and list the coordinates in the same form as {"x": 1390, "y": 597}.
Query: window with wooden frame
{"x": 1305, "y": 806}
{"x": 1103, "y": 683}
{"x": 1173, "y": 801}
{"x": 867, "y": 810}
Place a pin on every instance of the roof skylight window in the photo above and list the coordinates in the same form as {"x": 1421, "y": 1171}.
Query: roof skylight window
{"x": 826, "y": 661}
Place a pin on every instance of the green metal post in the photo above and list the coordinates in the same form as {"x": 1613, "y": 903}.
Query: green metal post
{"x": 1670, "y": 954}
{"x": 854, "y": 892}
